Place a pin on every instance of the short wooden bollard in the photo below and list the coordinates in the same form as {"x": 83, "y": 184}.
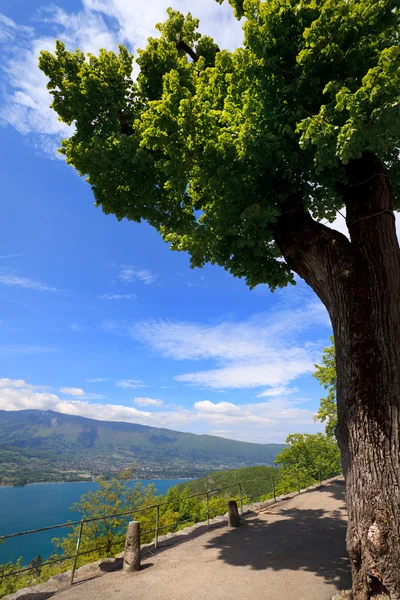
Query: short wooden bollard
{"x": 132, "y": 548}
{"x": 233, "y": 514}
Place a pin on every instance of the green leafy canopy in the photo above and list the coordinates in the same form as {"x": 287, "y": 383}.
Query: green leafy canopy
{"x": 326, "y": 375}
{"x": 310, "y": 452}
{"x": 208, "y": 146}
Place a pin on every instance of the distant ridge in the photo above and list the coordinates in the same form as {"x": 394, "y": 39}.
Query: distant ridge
{"x": 47, "y": 440}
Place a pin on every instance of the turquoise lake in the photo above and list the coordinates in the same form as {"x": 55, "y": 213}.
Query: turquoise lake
{"x": 40, "y": 505}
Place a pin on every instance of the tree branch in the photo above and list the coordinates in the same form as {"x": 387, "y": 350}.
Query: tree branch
{"x": 181, "y": 45}
{"x": 322, "y": 256}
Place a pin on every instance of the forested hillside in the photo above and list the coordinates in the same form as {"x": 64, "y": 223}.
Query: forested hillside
{"x": 51, "y": 443}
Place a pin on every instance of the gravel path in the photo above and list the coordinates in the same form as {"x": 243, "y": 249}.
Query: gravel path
{"x": 294, "y": 550}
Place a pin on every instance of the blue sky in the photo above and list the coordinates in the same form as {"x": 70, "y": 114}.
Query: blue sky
{"x": 100, "y": 318}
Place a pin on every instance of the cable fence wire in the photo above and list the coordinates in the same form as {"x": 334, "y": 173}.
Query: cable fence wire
{"x": 213, "y": 505}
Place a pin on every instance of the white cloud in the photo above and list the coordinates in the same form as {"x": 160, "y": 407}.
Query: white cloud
{"x": 220, "y": 408}
{"x": 137, "y": 24}
{"x": 147, "y": 401}
{"x": 18, "y": 395}
{"x": 281, "y": 369}
{"x": 14, "y": 383}
{"x": 99, "y": 24}
{"x": 224, "y": 412}
{"x": 265, "y": 350}
{"x": 26, "y": 105}
{"x": 79, "y": 393}
{"x": 72, "y": 391}
{"x": 193, "y": 341}
{"x": 128, "y": 274}
{"x": 97, "y": 380}
{"x": 118, "y": 297}
{"x": 339, "y": 223}
{"x": 256, "y": 415}
{"x": 130, "y": 383}
{"x": 12, "y": 280}
{"x": 259, "y": 336}
{"x": 261, "y": 422}
{"x": 277, "y": 391}
{"x": 9, "y": 30}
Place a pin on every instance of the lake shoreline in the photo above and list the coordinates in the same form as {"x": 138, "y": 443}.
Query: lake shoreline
{"x": 24, "y": 485}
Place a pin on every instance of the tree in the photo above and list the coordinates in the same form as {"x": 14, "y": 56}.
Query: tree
{"x": 326, "y": 375}
{"x": 36, "y": 563}
{"x": 310, "y": 457}
{"x": 236, "y": 158}
{"x": 105, "y": 537}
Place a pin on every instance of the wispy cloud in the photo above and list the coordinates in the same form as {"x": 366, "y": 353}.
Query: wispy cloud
{"x": 72, "y": 391}
{"x": 257, "y": 337}
{"x": 128, "y": 274}
{"x": 81, "y": 394}
{"x": 256, "y": 422}
{"x": 12, "y": 280}
{"x": 147, "y": 402}
{"x": 118, "y": 297}
{"x": 130, "y": 383}
{"x": 97, "y": 380}
{"x": 267, "y": 350}
{"x": 10, "y": 30}
{"x": 283, "y": 369}
{"x": 77, "y": 328}
{"x": 278, "y": 391}
{"x": 12, "y": 255}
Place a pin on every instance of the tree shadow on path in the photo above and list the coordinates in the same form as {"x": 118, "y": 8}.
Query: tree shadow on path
{"x": 337, "y": 491}
{"x": 309, "y": 540}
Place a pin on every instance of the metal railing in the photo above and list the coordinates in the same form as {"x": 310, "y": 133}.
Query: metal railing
{"x": 273, "y": 492}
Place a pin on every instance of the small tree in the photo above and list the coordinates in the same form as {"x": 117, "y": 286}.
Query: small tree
{"x": 237, "y": 157}
{"x": 308, "y": 456}
{"x": 36, "y": 564}
{"x": 105, "y": 536}
{"x": 326, "y": 375}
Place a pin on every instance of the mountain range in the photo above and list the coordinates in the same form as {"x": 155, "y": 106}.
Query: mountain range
{"x": 38, "y": 445}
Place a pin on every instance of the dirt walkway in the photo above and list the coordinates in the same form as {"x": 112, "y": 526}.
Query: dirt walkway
{"x": 294, "y": 550}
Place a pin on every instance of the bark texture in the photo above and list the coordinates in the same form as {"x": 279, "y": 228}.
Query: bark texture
{"x": 358, "y": 280}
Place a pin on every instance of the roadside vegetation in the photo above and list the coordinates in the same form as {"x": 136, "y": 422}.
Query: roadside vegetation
{"x": 178, "y": 508}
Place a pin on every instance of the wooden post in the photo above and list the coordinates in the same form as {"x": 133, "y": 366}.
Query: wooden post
{"x": 78, "y": 543}
{"x": 132, "y": 548}
{"x": 233, "y": 514}
{"x": 320, "y": 478}
{"x": 208, "y": 510}
{"x": 241, "y": 498}
{"x": 157, "y": 523}
{"x": 273, "y": 488}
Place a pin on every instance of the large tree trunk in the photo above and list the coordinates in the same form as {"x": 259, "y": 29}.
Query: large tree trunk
{"x": 359, "y": 283}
